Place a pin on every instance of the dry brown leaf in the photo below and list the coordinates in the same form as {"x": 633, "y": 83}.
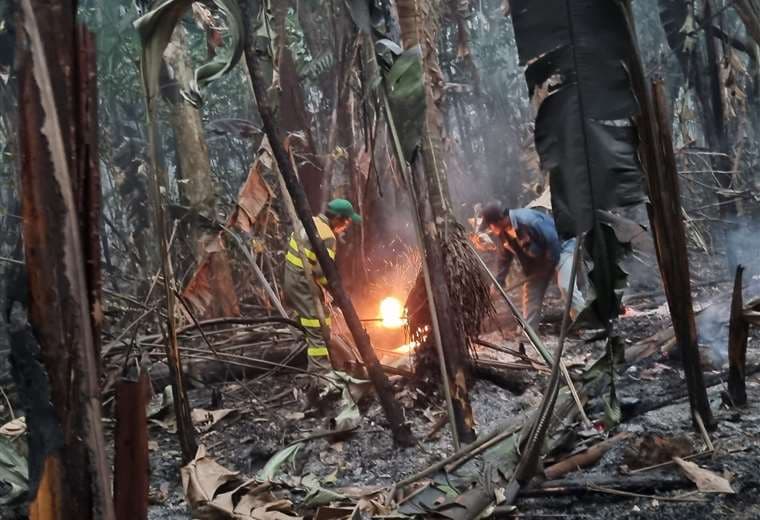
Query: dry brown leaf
{"x": 211, "y": 290}
{"x": 706, "y": 480}
{"x": 255, "y": 193}
{"x": 201, "y": 479}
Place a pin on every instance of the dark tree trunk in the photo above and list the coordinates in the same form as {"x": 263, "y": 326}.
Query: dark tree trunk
{"x": 61, "y": 211}
{"x": 738, "y": 333}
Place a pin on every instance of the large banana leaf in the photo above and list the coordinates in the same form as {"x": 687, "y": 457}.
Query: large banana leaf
{"x": 155, "y": 29}
{"x": 575, "y": 52}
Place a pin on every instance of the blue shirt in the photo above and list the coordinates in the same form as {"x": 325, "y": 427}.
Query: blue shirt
{"x": 537, "y": 245}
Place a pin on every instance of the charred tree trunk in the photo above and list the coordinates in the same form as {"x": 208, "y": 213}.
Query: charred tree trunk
{"x": 659, "y": 165}
{"x": 61, "y": 210}
{"x": 738, "y": 332}
{"x": 393, "y": 413}
{"x": 672, "y": 255}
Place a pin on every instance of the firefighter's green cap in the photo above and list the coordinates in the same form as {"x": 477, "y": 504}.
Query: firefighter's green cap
{"x": 344, "y": 208}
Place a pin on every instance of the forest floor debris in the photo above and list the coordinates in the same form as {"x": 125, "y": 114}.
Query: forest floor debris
{"x": 365, "y": 460}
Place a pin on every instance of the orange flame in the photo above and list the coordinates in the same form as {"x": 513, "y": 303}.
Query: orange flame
{"x": 392, "y": 313}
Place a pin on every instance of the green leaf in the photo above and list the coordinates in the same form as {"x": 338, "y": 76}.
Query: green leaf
{"x": 272, "y": 467}
{"x": 155, "y": 29}
{"x": 14, "y": 471}
{"x": 406, "y": 95}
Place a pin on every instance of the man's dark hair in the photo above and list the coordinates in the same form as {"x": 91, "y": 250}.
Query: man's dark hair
{"x": 492, "y": 214}
{"x": 330, "y": 214}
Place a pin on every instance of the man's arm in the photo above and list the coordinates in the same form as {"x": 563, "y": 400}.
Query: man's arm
{"x": 504, "y": 265}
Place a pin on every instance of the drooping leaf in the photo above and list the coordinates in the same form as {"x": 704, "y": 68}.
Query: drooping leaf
{"x": 576, "y": 52}
{"x": 406, "y": 95}
{"x": 272, "y": 467}
{"x": 155, "y": 29}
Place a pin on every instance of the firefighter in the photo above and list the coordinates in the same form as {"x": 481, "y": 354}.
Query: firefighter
{"x": 531, "y": 236}
{"x": 304, "y": 293}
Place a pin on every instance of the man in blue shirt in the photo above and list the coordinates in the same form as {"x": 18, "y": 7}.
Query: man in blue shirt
{"x": 531, "y": 237}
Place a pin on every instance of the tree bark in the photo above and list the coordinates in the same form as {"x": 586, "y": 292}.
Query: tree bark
{"x": 393, "y": 412}
{"x": 196, "y": 188}
{"x": 61, "y": 216}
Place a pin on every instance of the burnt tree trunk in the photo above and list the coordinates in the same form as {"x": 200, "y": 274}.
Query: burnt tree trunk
{"x": 60, "y": 186}
{"x": 738, "y": 333}
{"x": 393, "y": 412}
{"x": 672, "y": 255}
{"x": 659, "y": 165}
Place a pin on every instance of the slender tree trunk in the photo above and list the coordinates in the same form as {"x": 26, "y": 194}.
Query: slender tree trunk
{"x": 393, "y": 413}
{"x": 61, "y": 211}
{"x": 419, "y": 26}
{"x": 196, "y": 186}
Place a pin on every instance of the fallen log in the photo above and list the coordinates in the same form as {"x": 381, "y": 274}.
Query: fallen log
{"x": 581, "y": 486}
{"x": 514, "y": 380}
{"x": 584, "y": 458}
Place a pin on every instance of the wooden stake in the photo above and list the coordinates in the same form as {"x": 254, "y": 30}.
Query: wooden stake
{"x": 131, "y": 464}
{"x": 738, "y": 332}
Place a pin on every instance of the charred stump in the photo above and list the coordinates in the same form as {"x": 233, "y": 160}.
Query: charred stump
{"x": 738, "y": 333}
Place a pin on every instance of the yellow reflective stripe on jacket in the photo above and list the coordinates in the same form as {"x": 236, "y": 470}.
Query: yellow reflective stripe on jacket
{"x": 295, "y": 260}
{"x": 313, "y": 323}
{"x": 317, "y": 351}
{"x": 322, "y": 280}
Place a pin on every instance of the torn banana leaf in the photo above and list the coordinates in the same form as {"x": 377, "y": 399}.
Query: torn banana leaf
{"x": 576, "y": 53}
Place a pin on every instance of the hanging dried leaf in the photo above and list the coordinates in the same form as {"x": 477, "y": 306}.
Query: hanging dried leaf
{"x": 255, "y": 194}
{"x": 211, "y": 290}
{"x": 584, "y": 135}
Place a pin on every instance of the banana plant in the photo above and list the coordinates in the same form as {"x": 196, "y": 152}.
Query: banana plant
{"x": 155, "y": 29}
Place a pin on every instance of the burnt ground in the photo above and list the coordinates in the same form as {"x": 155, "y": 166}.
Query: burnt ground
{"x": 270, "y": 414}
{"x": 367, "y": 458}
